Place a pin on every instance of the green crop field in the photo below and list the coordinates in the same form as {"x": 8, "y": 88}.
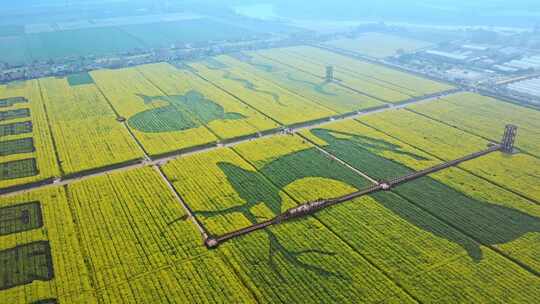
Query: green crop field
{"x": 16, "y": 146}
{"x": 18, "y": 47}
{"x": 114, "y": 182}
{"x": 22, "y": 217}
{"x": 7, "y": 102}
{"x": 15, "y": 128}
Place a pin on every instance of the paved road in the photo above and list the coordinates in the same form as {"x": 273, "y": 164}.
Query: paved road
{"x": 163, "y": 160}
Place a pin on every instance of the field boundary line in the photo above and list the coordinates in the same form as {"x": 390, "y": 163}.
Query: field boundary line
{"x": 53, "y": 140}
{"x": 124, "y": 123}
{"x": 346, "y": 164}
{"x": 202, "y": 229}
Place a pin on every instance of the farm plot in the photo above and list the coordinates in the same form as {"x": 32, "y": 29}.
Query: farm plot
{"x": 8, "y": 102}
{"x": 486, "y": 117}
{"x": 85, "y": 128}
{"x": 159, "y": 126}
{"x": 16, "y": 128}
{"x": 371, "y": 226}
{"x": 207, "y": 105}
{"x": 14, "y": 114}
{"x": 16, "y": 146}
{"x": 27, "y": 148}
{"x": 378, "y": 45}
{"x": 282, "y": 105}
{"x": 50, "y": 233}
{"x": 519, "y": 173}
{"x": 79, "y": 42}
{"x": 140, "y": 246}
{"x": 285, "y": 262}
{"x": 21, "y": 217}
{"x": 316, "y": 89}
{"x": 36, "y": 264}
{"x": 381, "y": 82}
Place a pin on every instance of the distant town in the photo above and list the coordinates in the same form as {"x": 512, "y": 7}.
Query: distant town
{"x": 505, "y": 69}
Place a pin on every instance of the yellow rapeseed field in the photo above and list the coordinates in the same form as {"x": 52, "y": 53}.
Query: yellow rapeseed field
{"x": 139, "y": 247}
{"x": 312, "y": 87}
{"x": 282, "y": 105}
{"x": 44, "y": 151}
{"x": 387, "y": 84}
{"x": 486, "y": 117}
{"x": 87, "y": 133}
{"x": 515, "y": 172}
{"x": 72, "y": 281}
{"x": 175, "y": 82}
{"x": 126, "y": 89}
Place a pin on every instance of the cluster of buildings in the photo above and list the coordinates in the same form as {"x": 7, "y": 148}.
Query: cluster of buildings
{"x": 472, "y": 63}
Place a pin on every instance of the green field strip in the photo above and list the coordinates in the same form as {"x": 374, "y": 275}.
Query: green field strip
{"x": 15, "y": 128}
{"x": 25, "y": 264}
{"x": 10, "y": 101}
{"x": 21, "y": 217}
{"x": 18, "y": 169}
{"x": 14, "y": 114}
{"x": 16, "y": 146}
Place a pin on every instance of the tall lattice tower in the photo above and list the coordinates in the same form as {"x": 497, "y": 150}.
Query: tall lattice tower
{"x": 509, "y": 137}
{"x": 329, "y": 73}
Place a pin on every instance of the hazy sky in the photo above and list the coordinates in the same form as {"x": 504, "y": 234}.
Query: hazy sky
{"x": 488, "y": 12}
